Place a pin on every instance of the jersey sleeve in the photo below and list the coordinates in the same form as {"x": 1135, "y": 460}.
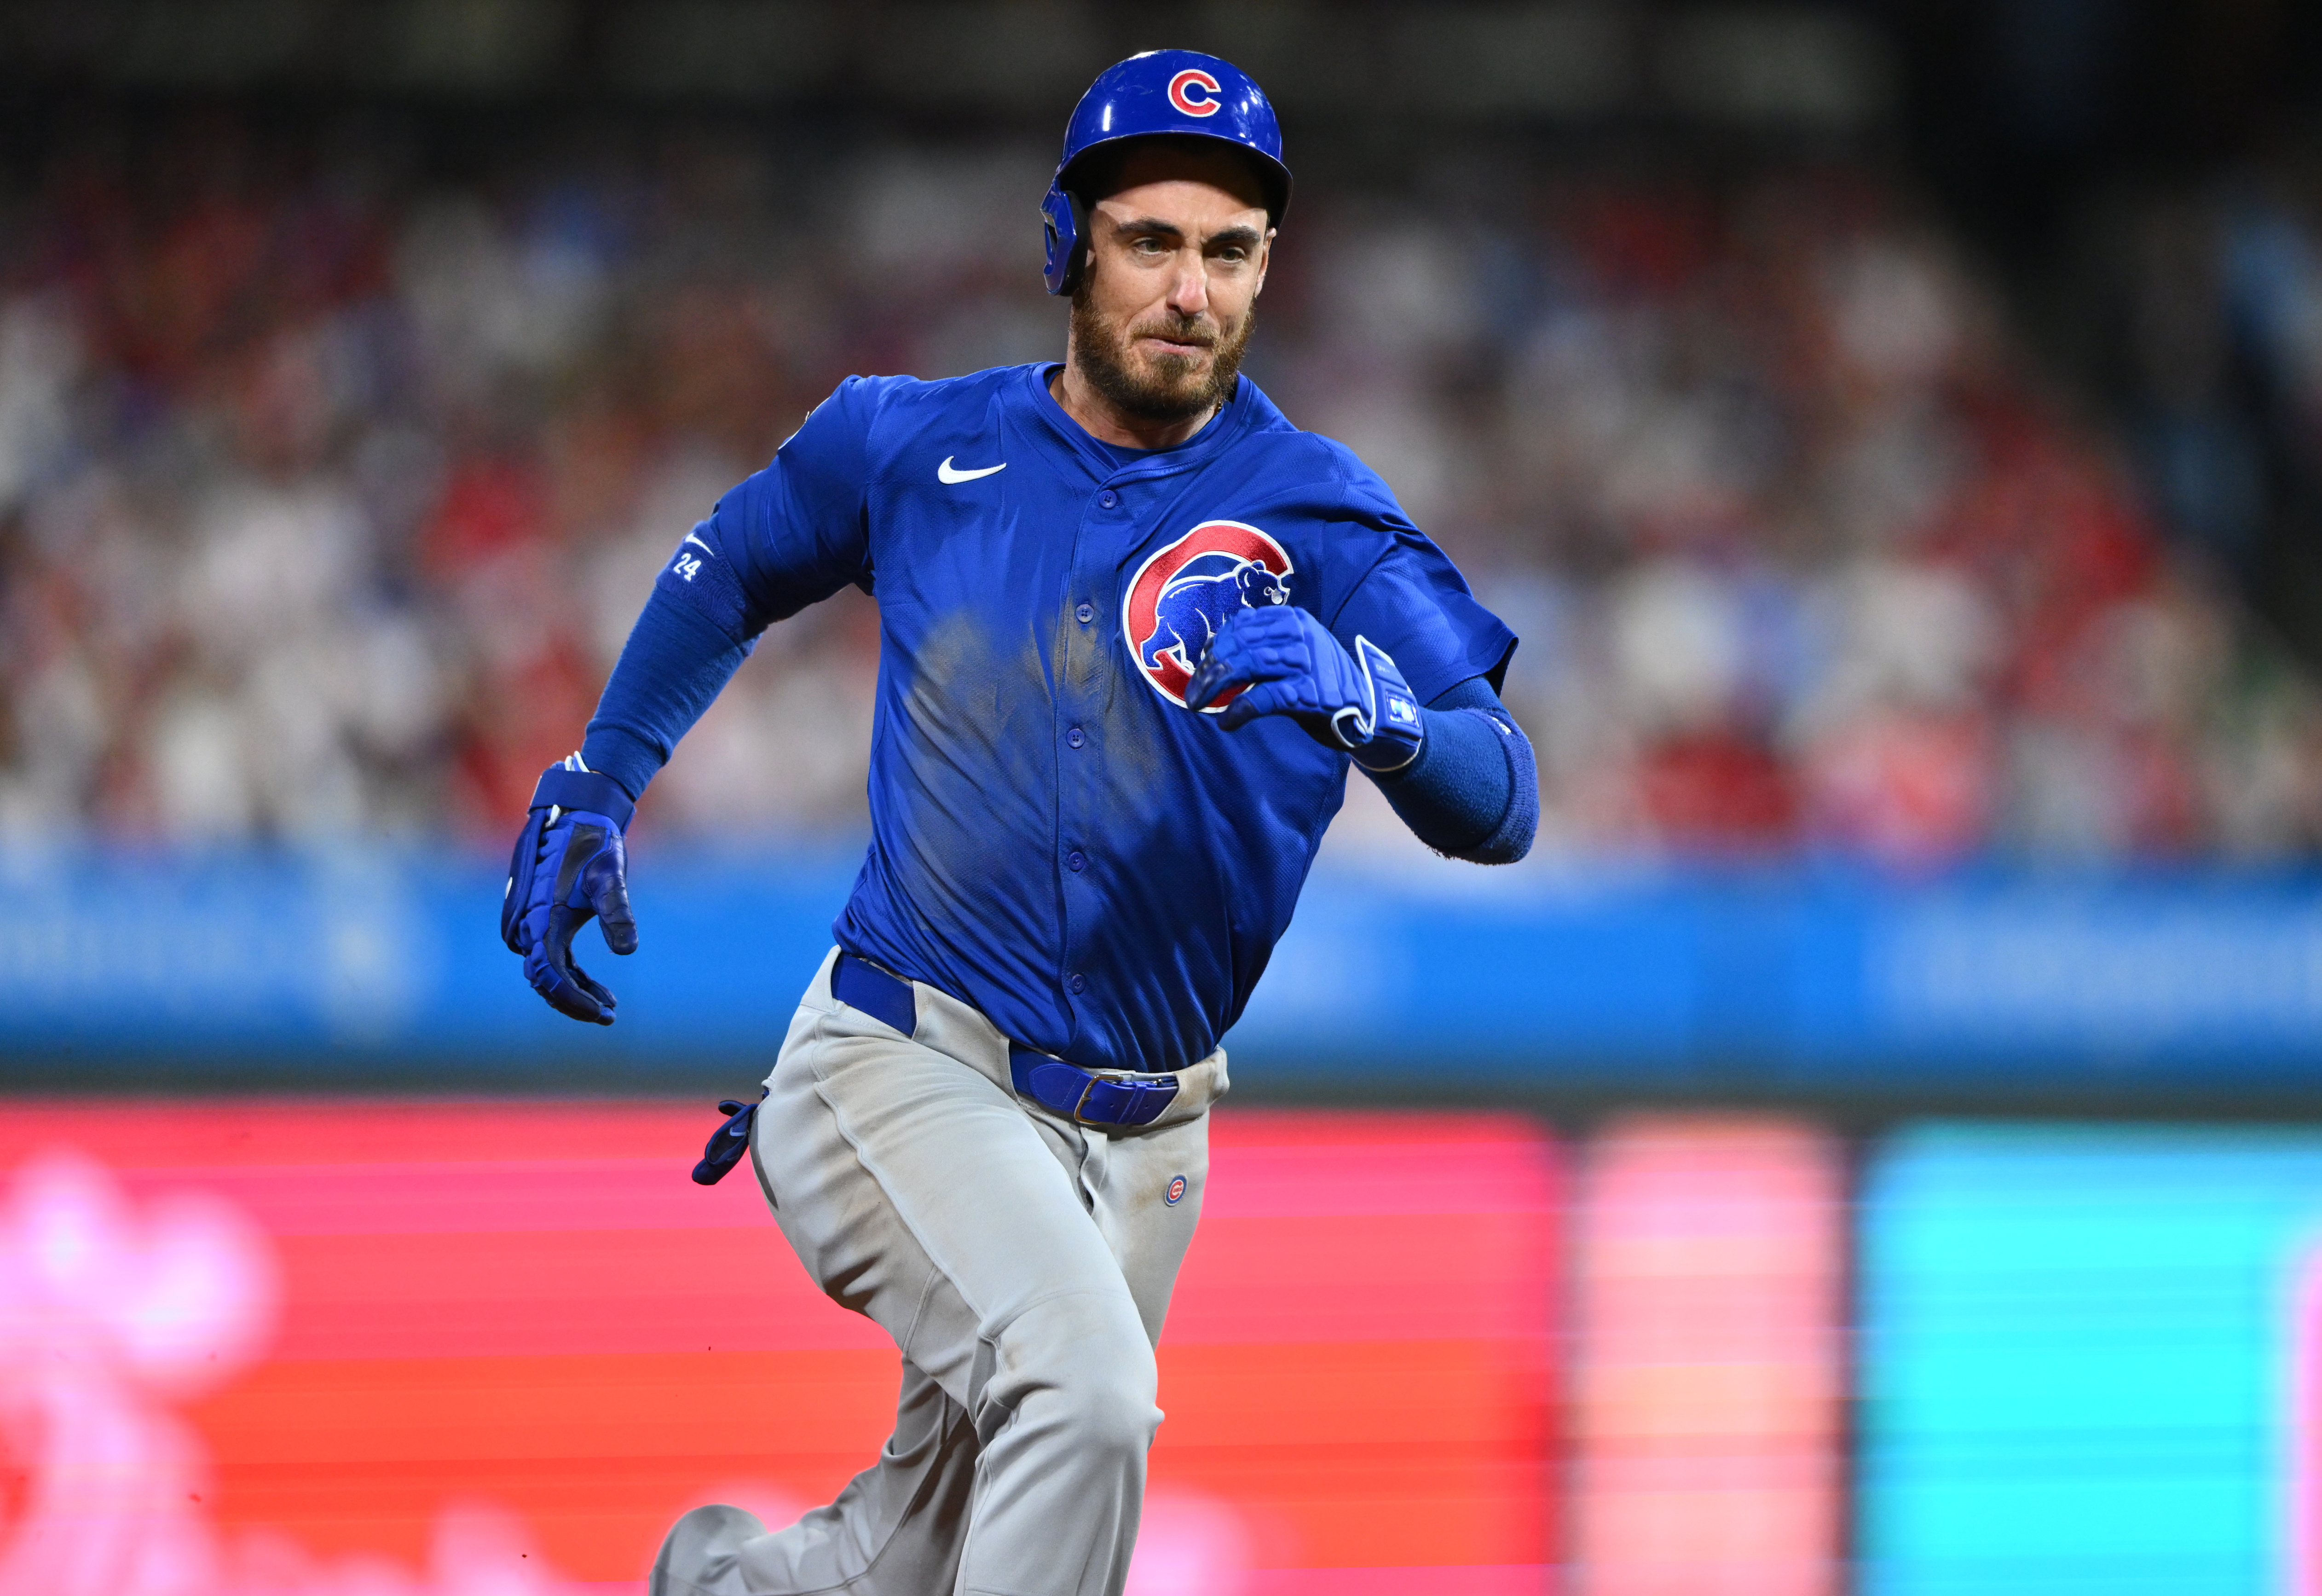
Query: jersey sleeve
{"x": 793, "y": 534}
{"x": 1413, "y": 603}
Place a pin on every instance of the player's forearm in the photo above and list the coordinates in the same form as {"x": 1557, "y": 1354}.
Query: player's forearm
{"x": 1473, "y": 791}
{"x": 675, "y": 662}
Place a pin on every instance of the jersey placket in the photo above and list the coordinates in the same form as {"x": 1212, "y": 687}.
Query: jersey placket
{"x": 1085, "y": 686}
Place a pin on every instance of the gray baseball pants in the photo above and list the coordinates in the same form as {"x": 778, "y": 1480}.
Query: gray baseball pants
{"x": 1021, "y": 1262}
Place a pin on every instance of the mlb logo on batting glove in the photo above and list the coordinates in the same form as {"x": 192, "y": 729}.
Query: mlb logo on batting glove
{"x": 570, "y": 867}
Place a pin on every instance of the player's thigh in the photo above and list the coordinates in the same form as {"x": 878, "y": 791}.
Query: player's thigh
{"x": 1147, "y": 1188}
{"x": 917, "y": 1192}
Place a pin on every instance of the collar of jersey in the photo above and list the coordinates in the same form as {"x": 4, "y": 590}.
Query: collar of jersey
{"x": 1226, "y": 424}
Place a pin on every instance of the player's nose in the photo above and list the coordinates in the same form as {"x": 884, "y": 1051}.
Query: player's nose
{"x": 1189, "y": 289}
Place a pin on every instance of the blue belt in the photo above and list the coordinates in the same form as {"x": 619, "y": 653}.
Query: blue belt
{"x": 888, "y": 999}
{"x": 1083, "y": 1095}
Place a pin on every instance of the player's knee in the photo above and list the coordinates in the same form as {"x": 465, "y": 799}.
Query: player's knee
{"x": 1109, "y": 1401}
{"x": 1099, "y": 1375}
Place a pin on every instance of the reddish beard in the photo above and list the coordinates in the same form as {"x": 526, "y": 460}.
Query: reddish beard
{"x": 1160, "y": 388}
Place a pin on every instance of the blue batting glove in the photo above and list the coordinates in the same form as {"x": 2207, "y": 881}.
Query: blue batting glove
{"x": 570, "y": 867}
{"x": 1289, "y": 664}
{"x": 729, "y": 1143}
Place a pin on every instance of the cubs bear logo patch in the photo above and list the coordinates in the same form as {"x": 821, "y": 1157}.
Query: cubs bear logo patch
{"x": 1187, "y": 591}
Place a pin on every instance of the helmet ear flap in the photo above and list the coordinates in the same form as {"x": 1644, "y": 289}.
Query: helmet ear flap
{"x": 1064, "y": 226}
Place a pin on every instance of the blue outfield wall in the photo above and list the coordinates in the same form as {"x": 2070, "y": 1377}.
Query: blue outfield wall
{"x": 1677, "y": 978}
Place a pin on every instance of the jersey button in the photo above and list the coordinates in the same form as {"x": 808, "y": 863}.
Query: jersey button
{"x": 1076, "y": 736}
{"x": 1108, "y": 498}
{"x": 1078, "y": 983}
{"x": 1085, "y": 614}
{"x": 1076, "y": 861}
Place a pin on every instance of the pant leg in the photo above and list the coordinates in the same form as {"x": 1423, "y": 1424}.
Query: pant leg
{"x": 919, "y": 1191}
{"x": 1126, "y": 1179}
{"x": 897, "y": 1526}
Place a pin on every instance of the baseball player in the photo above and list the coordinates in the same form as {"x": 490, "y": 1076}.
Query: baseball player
{"x": 1135, "y": 626}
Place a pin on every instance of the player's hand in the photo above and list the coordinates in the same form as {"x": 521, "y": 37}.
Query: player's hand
{"x": 1288, "y": 663}
{"x": 570, "y": 867}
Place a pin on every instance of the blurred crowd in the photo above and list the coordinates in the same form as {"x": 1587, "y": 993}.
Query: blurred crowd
{"x": 2205, "y": 327}
{"x": 329, "y": 484}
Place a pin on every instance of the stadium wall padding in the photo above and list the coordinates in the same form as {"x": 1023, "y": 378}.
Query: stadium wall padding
{"x": 1680, "y": 980}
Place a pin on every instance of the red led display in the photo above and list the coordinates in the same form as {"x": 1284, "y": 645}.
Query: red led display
{"x": 290, "y": 1347}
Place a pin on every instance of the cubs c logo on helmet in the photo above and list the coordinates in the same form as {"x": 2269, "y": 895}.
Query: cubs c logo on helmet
{"x": 1184, "y": 592}
{"x": 1194, "y": 92}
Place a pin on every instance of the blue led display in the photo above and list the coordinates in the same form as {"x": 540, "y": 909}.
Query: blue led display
{"x": 2076, "y": 1347}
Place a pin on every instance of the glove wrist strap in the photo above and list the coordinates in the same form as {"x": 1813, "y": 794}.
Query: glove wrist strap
{"x": 1384, "y": 755}
{"x": 1387, "y": 726}
{"x": 584, "y": 790}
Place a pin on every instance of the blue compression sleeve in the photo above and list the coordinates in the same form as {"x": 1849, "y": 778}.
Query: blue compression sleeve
{"x": 1473, "y": 791}
{"x": 676, "y": 660}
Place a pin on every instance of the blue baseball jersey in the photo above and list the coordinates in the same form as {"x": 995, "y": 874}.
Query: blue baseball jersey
{"x": 1055, "y": 838}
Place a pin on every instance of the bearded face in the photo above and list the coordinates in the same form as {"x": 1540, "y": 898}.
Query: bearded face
{"x": 1158, "y": 364}
{"x": 1177, "y": 237}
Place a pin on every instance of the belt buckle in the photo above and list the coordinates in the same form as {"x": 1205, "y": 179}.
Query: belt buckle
{"x": 1127, "y": 1081}
{"x": 1130, "y": 1081}
{"x": 1094, "y": 1080}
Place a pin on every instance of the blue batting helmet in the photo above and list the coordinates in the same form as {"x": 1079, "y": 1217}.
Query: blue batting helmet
{"x": 1162, "y": 91}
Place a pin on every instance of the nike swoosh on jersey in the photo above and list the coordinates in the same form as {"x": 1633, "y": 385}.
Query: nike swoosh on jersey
{"x": 945, "y": 472}
{"x": 689, "y": 537}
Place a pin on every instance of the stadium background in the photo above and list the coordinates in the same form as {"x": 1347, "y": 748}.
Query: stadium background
{"x": 1874, "y": 1144}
